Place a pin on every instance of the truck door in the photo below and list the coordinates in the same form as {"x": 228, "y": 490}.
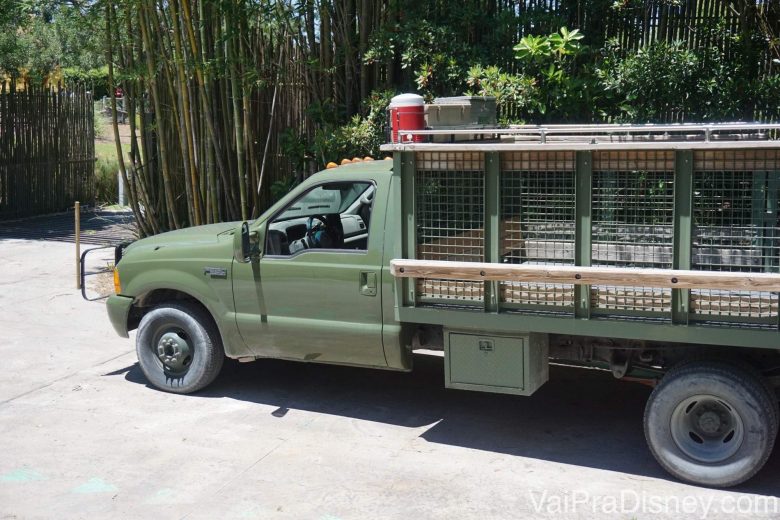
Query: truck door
{"x": 315, "y": 294}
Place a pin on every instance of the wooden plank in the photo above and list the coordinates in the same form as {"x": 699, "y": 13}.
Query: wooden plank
{"x": 581, "y": 275}
{"x": 538, "y": 161}
{"x": 754, "y": 305}
{"x": 743, "y": 160}
{"x": 450, "y": 289}
{"x": 651, "y": 160}
{"x": 450, "y": 161}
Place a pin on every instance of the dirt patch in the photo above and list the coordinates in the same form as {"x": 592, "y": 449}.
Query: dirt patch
{"x": 102, "y": 284}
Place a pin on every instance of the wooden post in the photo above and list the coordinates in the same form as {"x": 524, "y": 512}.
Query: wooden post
{"x": 77, "y": 223}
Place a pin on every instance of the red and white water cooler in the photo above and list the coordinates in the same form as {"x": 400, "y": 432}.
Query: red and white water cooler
{"x": 407, "y": 112}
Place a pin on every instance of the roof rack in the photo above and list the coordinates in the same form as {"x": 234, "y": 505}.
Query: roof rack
{"x": 593, "y": 136}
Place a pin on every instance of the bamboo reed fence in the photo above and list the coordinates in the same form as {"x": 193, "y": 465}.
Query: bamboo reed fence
{"x": 47, "y": 149}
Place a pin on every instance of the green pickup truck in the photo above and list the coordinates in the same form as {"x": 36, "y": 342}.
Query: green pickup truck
{"x": 650, "y": 252}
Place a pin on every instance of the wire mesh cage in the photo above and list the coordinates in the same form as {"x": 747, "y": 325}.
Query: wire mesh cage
{"x": 633, "y": 208}
{"x": 616, "y": 208}
{"x": 736, "y": 229}
{"x": 450, "y": 213}
{"x": 537, "y": 223}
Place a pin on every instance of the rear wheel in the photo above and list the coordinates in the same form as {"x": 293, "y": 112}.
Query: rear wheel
{"x": 179, "y": 348}
{"x": 712, "y": 422}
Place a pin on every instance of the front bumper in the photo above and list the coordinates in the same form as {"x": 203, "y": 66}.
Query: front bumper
{"x": 118, "y": 310}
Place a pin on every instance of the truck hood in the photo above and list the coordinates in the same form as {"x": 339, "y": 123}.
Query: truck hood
{"x": 192, "y": 235}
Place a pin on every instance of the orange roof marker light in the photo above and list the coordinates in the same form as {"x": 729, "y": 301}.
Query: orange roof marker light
{"x": 388, "y": 159}
{"x": 331, "y": 165}
{"x": 357, "y": 159}
{"x": 345, "y": 161}
{"x": 368, "y": 158}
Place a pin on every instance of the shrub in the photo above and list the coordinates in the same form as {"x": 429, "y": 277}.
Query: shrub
{"x": 670, "y": 82}
{"x": 359, "y": 137}
{"x": 516, "y": 95}
{"x": 106, "y": 181}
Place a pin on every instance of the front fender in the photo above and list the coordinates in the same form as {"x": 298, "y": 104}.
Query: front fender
{"x": 118, "y": 308}
{"x": 215, "y": 294}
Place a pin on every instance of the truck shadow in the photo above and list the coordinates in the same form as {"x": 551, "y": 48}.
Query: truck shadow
{"x": 580, "y": 417}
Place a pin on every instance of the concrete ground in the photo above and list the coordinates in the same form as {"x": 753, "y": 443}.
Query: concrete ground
{"x": 83, "y": 436}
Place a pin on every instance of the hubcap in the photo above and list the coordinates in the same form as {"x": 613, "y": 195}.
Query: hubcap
{"x": 707, "y": 428}
{"x": 174, "y": 352}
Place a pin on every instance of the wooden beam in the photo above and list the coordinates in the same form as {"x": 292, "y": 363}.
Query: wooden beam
{"x": 582, "y": 275}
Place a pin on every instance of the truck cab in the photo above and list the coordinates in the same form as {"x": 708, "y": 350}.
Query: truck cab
{"x": 314, "y": 284}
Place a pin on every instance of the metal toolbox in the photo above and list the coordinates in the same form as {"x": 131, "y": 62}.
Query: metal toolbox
{"x": 460, "y": 112}
{"x": 510, "y": 364}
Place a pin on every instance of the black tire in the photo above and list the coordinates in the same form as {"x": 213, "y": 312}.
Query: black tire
{"x": 195, "y": 358}
{"x": 712, "y": 423}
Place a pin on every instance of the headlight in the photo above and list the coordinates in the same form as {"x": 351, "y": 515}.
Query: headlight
{"x": 117, "y": 283}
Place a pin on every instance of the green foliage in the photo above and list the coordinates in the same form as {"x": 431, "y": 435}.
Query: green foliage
{"x": 95, "y": 79}
{"x": 658, "y": 82}
{"x": 106, "y": 181}
{"x": 39, "y": 36}
{"x": 359, "y": 137}
{"x": 99, "y": 125}
{"x": 514, "y": 93}
{"x": 566, "y": 89}
{"x": 551, "y": 85}
{"x": 429, "y": 53}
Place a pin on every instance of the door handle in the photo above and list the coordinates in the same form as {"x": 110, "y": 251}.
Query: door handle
{"x": 368, "y": 283}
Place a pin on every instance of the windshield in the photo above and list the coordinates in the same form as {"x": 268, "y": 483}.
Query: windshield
{"x": 326, "y": 199}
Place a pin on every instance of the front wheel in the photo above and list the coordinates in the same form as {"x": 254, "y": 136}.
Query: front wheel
{"x": 179, "y": 348}
{"x": 712, "y": 423}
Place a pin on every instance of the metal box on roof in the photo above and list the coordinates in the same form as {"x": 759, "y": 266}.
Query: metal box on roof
{"x": 461, "y": 112}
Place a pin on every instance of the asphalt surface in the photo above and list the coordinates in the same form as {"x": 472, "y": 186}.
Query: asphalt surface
{"x": 82, "y": 435}
{"x": 98, "y": 227}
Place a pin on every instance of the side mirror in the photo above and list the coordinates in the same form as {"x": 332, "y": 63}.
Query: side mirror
{"x": 246, "y": 244}
{"x": 241, "y": 243}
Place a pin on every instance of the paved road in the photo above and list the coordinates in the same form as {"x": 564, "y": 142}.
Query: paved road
{"x": 83, "y": 436}
{"x": 98, "y": 227}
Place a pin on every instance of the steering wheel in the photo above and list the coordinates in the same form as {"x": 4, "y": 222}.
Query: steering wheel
{"x": 314, "y": 235}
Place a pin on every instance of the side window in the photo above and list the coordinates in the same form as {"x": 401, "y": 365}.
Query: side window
{"x": 331, "y": 216}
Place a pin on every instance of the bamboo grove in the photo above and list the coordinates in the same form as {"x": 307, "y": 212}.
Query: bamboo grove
{"x": 218, "y": 92}
{"x": 209, "y": 88}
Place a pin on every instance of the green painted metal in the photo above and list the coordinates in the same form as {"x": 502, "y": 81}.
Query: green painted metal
{"x": 174, "y": 351}
{"x": 604, "y": 328}
{"x": 489, "y": 362}
{"x": 772, "y": 203}
{"x": 492, "y": 224}
{"x": 309, "y": 306}
{"x": 683, "y": 229}
{"x": 175, "y": 263}
{"x": 409, "y": 226}
{"x": 118, "y": 308}
{"x": 771, "y": 260}
{"x": 582, "y": 235}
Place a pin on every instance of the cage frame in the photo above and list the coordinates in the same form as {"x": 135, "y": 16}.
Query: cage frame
{"x": 681, "y": 322}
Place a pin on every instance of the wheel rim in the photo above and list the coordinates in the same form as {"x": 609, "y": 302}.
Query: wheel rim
{"x": 173, "y": 350}
{"x": 707, "y": 428}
